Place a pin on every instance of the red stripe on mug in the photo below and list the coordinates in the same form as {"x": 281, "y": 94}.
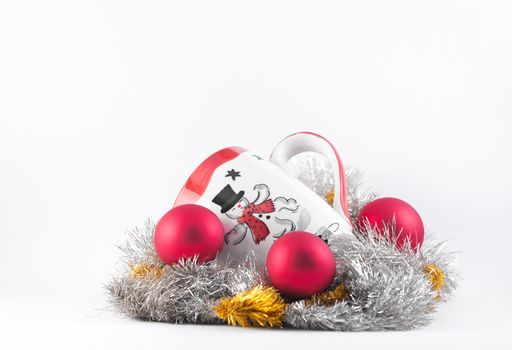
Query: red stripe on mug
{"x": 198, "y": 182}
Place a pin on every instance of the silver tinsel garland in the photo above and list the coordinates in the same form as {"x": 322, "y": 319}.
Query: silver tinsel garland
{"x": 387, "y": 288}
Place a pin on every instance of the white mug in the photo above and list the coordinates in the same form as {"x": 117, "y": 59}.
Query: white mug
{"x": 259, "y": 201}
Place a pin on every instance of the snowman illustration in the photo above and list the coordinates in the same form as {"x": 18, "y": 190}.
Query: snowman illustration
{"x": 262, "y": 216}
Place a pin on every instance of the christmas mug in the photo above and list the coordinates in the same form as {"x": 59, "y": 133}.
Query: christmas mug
{"x": 259, "y": 201}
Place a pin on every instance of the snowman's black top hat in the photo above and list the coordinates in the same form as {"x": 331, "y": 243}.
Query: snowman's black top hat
{"x": 227, "y": 198}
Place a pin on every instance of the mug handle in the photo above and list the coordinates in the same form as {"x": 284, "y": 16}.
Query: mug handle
{"x": 311, "y": 142}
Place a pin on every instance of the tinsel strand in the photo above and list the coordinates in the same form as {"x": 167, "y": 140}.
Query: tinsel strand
{"x": 436, "y": 277}
{"x": 143, "y": 270}
{"x": 259, "y": 306}
{"x": 329, "y": 297}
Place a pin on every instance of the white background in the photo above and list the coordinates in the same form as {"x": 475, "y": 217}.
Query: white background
{"x": 107, "y": 106}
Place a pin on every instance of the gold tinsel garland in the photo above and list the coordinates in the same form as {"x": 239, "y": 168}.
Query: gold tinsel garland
{"x": 260, "y": 307}
{"x": 144, "y": 270}
{"x": 436, "y": 277}
{"x": 330, "y": 297}
{"x": 329, "y": 197}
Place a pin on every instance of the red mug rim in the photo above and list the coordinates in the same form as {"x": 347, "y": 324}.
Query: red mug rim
{"x": 199, "y": 180}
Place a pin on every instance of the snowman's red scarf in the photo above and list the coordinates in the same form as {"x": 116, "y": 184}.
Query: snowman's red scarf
{"x": 258, "y": 228}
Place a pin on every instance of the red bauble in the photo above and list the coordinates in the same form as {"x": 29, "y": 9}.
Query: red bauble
{"x": 186, "y": 231}
{"x": 381, "y": 212}
{"x": 300, "y": 264}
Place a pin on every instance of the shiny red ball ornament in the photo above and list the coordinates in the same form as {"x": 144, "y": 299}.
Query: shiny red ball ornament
{"x": 384, "y": 212}
{"x": 300, "y": 264}
{"x": 186, "y": 231}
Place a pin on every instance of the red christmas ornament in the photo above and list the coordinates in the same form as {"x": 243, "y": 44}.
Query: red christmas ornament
{"x": 300, "y": 264}
{"x": 186, "y": 231}
{"x": 384, "y": 212}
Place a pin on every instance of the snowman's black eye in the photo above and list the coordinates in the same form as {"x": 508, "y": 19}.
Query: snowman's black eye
{"x": 268, "y": 217}
{"x": 260, "y": 215}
